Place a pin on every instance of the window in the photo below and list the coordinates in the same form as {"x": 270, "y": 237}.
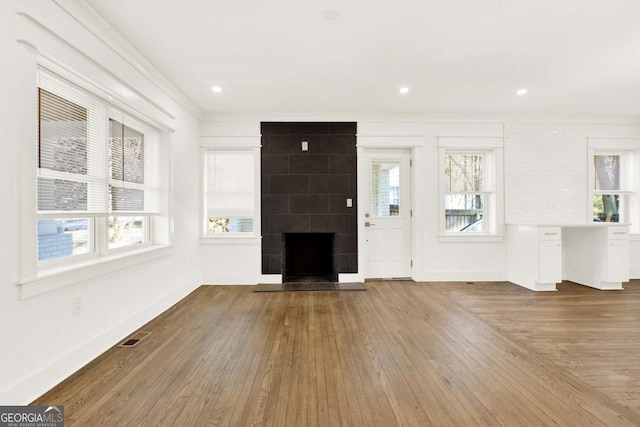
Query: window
{"x": 96, "y": 177}
{"x": 612, "y": 187}
{"x": 385, "y": 188}
{"x": 471, "y": 201}
{"x": 608, "y": 200}
{"x": 229, "y": 191}
{"x": 465, "y": 200}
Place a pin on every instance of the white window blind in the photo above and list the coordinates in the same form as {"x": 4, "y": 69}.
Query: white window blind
{"x": 133, "y": 160}
{"x": 92, "y": 159}
{"x": 72, "y": 176}
{"x": 230, "y": 189}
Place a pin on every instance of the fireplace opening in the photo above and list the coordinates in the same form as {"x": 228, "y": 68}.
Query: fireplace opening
{"x": 309, "y": 257}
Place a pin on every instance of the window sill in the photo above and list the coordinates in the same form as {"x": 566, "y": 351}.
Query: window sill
{"x": 471, "y": 238}
{"x": 230, "y": 240}
{"x": 53, "y": 279}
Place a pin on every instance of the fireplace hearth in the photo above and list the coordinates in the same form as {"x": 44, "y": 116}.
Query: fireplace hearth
{"x": 309, "y": 257}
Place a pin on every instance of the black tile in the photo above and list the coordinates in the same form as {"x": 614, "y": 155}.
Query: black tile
{"x": 329, "y": 223}
{"x": 275, "y": 264}
{"x": 343, "y": 263}
{"x": 283, "y": 144}
{"x": 296, "y": 128}
{"x": 275, "y": 164}
{"x": 353, "y": 263}
{"x": 347, "y": 243}
{"x": 328, "y": 184}
{"x": 264, "y": 221}
{"x": 265, "y": 264}
{"x": 313, "y": 204}
{"x": 353, "y": 148}
{"x": 275, "y": 204}
{"x": 264, "y": 184}
{"x": 342, "y": 164}
{"x": 328, "y": 144}
{"x": 343, "y": 128}
{"x": 288, "y": 184}
{"x": 338, "y": 204}
{"x": 272, "y": 244}
{"x": 353, "y": 184}
{"x": 288, "y": 224}
{"x": 353, "y": 223}
{"x": 307, "y": 164}
{"x": 270, "y": 128}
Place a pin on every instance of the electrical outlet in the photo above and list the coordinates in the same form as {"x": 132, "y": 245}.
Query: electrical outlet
{"x": 349, "y": 203}
{"x": 76, "y": 306}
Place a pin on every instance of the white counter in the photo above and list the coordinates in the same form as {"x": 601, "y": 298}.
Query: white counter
{"x": 590, "y": 254}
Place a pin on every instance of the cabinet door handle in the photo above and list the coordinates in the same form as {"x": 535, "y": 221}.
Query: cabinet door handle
{"x": 619, "y": 232}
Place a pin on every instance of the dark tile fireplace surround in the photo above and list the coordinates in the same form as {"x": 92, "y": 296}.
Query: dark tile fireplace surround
{"x": 304, "y": 200}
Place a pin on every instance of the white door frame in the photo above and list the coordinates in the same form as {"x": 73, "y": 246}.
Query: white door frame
{"x": 363, "y": 200}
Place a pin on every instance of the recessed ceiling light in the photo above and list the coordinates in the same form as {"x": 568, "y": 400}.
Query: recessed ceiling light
{"x": 403, "y": 90}
{"x": 216, "y": 89}
{"x": 521, "y": 92}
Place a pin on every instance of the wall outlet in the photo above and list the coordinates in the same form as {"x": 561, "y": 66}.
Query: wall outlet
{"x": 76, "y": 306}
{"x": 305, "y": 145}
{"x": 349, "y": 203}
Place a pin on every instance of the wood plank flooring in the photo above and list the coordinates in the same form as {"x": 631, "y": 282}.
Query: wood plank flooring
{"x": 401, "y": 353}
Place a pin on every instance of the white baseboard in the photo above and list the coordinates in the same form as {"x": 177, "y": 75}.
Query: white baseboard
{"x": 43, "y": 379}
{"x": 464, "y": 276}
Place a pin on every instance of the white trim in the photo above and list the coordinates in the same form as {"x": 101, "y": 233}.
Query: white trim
{"x": 613, "y": 144}
{"x": 479, "y": 143}
{"x": 465, "y": 276}
{"x": 51, "y": 280}
{"x": 231, "y": 239}
{"x": 471, "y": 238}
{"x": 229, "y": 142}
{"x": 390, "y": 142}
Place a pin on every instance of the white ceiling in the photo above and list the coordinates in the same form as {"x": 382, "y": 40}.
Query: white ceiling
{"x": 457, "y": 56}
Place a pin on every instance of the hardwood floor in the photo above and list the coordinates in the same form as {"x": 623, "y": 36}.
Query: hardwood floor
{"x": 401, "y": 353}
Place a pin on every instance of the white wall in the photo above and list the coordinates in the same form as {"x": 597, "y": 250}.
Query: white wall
{"x": 42, "y": 342}
{"x": 545, "y": 182}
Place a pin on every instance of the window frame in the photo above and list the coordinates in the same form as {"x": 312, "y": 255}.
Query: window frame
{"x": 207, "y": 237}
{"x": 492, "y": 187}
{"x": 629, "y": 153}
{"x": 98, "y": 222}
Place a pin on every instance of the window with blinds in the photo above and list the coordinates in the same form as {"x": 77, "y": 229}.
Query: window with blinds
{"x": 229, "y": 191}
{"x": 96, "y": 183}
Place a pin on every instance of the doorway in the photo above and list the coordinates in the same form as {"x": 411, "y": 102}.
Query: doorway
{"x": 387, "y": 213}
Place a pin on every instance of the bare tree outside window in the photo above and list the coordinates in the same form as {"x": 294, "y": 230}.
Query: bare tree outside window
{"x": 464, "y": 198}
{"x": 607, "y": 185}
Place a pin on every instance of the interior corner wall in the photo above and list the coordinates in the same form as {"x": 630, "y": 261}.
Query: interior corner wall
{"x": 42, "y": 341}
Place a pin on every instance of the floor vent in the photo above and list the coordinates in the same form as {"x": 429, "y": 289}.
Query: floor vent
{"x": 134, "y": 339}
{"x": 470, "y": 283}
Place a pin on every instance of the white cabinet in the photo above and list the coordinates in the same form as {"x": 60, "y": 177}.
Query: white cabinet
{"x": 534, "y": 256}
{"x": 550, "y": 261}
{"x": 595, "y": 255}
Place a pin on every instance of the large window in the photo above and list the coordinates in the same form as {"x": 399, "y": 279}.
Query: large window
{"x": 96, "y": 175}
{"x": 229, "y": 191}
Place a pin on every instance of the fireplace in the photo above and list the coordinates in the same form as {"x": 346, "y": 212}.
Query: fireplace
{"x": 309, "y": 257}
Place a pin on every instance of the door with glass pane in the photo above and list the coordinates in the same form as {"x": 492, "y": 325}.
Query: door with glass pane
{"x": 387, "y": 214}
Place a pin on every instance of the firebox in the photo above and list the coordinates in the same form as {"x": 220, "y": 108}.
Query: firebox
{"x": 309, "y": 257}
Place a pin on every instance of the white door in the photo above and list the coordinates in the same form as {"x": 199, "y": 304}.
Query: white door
{"x": 387, "y": 214}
